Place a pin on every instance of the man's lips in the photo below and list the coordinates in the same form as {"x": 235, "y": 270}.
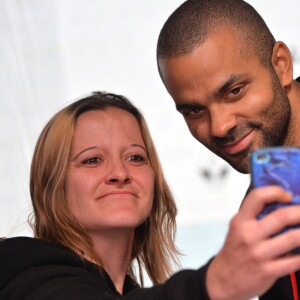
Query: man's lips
{"x": 240, "y": 144}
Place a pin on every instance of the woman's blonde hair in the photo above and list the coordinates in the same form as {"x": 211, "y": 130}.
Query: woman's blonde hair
{"x": 153, "y": 246}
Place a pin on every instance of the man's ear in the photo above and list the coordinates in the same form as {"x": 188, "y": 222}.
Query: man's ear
{"x": 283, "y": 63}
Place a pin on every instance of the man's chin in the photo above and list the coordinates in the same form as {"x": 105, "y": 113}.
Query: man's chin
{"x": 240, "y": 164}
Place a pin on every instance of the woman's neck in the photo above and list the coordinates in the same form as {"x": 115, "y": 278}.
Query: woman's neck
{"x": 114, "y": 249}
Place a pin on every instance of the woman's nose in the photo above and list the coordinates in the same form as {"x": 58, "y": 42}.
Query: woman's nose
{"x": 118, "y": 174}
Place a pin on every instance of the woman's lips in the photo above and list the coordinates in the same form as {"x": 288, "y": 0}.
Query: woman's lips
{"x": 117, "y": 194}
{"x": 240, "y": 145}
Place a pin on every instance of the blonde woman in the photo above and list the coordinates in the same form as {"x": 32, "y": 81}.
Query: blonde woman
{"x": 102, "y": 212}
{"x": 102, "y": 209}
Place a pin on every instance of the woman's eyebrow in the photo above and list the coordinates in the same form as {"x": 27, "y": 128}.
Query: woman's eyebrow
{"x": 94, "y": 147}
{"x": 84, "y": 150}
{"x": 140, "y": 146}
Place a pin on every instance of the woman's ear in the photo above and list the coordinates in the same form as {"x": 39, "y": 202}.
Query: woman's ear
{"x": 283, "y": 63}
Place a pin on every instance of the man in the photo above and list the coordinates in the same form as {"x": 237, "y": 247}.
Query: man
{"x": 233, "y": 84}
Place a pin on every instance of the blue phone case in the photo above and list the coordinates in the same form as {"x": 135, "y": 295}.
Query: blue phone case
{"x": 277, "y": 166}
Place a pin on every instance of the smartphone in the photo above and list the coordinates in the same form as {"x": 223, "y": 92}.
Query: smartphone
{"x": 277, "y": 166}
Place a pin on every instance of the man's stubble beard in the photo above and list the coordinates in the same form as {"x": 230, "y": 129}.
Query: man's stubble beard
{"x": 275, "y": 128}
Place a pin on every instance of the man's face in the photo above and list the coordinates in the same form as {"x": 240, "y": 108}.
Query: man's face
{"x": 231, "y": 103}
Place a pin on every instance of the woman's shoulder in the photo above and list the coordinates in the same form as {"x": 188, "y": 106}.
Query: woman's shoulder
{"x": 27, "y": 246}
{"x": 24, "y": 241}
{"x": 25, "y": 257}
{"x": 18, "y": 244}
{"x": 26, "y": 251}
{"x": 19, "y": 240}
{"x": 19, "y": 253}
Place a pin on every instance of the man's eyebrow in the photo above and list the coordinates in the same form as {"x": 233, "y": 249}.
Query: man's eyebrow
{"x": 182, "y": 106}
{"x": 220, "y": 91}
{"x": 228, "y": 83}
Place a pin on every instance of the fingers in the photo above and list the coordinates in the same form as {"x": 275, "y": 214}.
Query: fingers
{"x": 258, "y": 198}
{"x": 249, "y": 229}
{"x": 279, "y": 220}
{"x": 283, "y": 266}
{"x": 274, "y": 222}
{"x": 279, "y": 245}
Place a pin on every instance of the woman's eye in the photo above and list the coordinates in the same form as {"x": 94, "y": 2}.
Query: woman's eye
{"x": 92, "y": 161}
{"x": 136, "y": 158}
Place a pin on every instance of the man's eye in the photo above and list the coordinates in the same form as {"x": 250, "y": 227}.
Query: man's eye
{"x": 192, "y": 112}
{"x": 92, "y": 161}
{"x": 136, "y": 158}
{"x": 236, "y": 91}
{"x": 196, "y": 110}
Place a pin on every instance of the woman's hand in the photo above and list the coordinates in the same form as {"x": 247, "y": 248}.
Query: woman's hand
{"x": 252, "y": 259}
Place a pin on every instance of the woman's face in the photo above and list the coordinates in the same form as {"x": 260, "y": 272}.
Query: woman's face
{"x": 110, "y": 182}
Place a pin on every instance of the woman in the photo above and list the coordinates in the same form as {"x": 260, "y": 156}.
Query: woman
{"x": 101, "y": 207}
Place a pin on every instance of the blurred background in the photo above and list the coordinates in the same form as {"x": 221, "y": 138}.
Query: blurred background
{"x": 55, "y": 51}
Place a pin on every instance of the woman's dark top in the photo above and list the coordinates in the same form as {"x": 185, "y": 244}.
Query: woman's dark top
{"x": 36, "y": 269}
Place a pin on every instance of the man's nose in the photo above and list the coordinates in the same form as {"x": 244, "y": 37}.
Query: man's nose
{"x": 222, "y": 121}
